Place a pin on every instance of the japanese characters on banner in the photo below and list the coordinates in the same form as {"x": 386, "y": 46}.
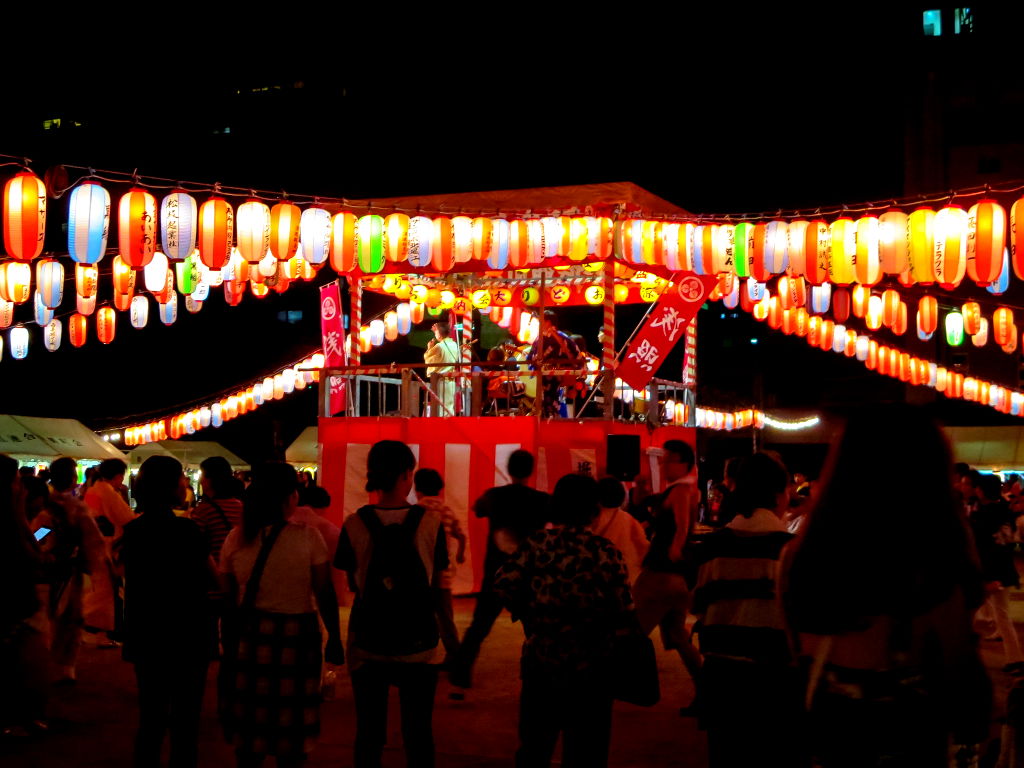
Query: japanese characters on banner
{"x": 665, "y": 327}
{"x": 333, "y": 333}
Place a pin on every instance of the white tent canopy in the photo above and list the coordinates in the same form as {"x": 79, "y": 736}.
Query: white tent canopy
{"x": 34, "y": 437}
{"x": 305, "y": 449}
{"x": 990, "y": 448}
{"x": 189, "y": 452}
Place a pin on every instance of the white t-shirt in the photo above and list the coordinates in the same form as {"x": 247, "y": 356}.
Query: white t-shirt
{"x": 287, "y": 582}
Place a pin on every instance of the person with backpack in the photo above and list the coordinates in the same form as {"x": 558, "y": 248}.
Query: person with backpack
{"x": 395, "y": 556}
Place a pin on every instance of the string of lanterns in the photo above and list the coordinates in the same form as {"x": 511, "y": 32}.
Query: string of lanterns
{"x": 273, "y": 386}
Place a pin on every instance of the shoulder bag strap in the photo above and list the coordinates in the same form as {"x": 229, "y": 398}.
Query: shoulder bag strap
{"x": 252, "y": 587}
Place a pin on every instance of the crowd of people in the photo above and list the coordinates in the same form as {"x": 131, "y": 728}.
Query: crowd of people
{"x": 835, "y": 629}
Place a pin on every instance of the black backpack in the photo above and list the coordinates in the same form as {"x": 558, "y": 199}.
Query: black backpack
{"x": 394, "y": 613}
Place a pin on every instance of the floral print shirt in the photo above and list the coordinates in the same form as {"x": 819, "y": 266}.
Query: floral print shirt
{"x": 570, "y": 588}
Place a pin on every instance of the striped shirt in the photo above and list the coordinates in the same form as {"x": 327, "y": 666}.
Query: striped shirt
{"x": 216, "y": 518}
{"x": 736, "y": 595}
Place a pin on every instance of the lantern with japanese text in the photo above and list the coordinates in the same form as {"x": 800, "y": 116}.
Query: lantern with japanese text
{"x": 139, "y": 312}
{"x": 796, "y": 247}
{"x": 179, "y": 225}
{"x": 775, "y": 257}
{"x": 971, "y": 311}
{"x": 1003, "y": 327}
{"x": 122, "y": 301}
{"x": 106, "y": 324}
{"x": 216, "y": 232}
{"x": 155, "y": 273}
{"x": 818, "y": 247}
{"x": 24, "y": 216}
{"x": 169, "y": 309}
{"x": 6, "y": 313}
{"x": 252, "y": 230}
{"x": 928, "y": 314}
{"x": 462, "y": 239}
{"x": 15, "y": 281}
{"x": 18, "y": 339}
{"x": 859, "y": 300}
{"x": 43, "y": 314}
{"x": 986, "y": 239}
{"x": 136, "y": 227}
{"x": 50, "y": 282}
{"x": 391, "y": 325}
{"x": 950, "y": 255}
{"x": 88, "y": 222}
{"x": 723, "y": 248}
{"x": 53, "y": 332}
{"x": 890, "y": 307}
{"x": 843, "y": 237}
{"x": 1017, "y": 237}
{"x": 821, "y": 298}
{"x": 980, "y": 339}
{"x": 86, "y": 280}
{"x": 396, "y": 237}
{"x": 124, "y": 277}
{"x": 85, "y": 306}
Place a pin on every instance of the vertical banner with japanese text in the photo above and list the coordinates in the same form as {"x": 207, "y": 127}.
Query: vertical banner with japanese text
{"x": 665, "y": 327}
{"x": 333, "y": 333}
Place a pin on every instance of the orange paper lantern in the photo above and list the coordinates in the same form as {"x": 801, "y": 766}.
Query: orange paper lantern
{"x": 24, "y": 216}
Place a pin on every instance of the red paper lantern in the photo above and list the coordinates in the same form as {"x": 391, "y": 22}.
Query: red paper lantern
{"x": 817, "y": 253}
{"x": 106, "y": 324}
{"x": 216, "y": 232}
{"x": 890, "y": 307}
{"x": 136, "y": 227}
{"x": 284, "y": 230}
{"x": 1003, "y": 328}
{"x": 986, "y": 239}
{"x": 24, "y": 216}
{"x": 344, "y": 246}
{"x": 442, "y": 245}
{"x": 900, "y": 326}
{"x": 841, "y": 305}
{"x": 971, "y": 312}
{"x": 78, "y": 329}
{"x": 928, "y": 314}
{"x": 859, "y": 300}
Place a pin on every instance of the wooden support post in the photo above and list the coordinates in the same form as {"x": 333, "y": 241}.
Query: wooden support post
{"x": 608, "y": 342}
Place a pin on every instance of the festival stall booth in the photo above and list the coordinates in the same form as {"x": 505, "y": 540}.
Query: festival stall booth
{"x": 36, "y": 441}
{"x": 191, "y": 453}
{"x": 304, "y": 452}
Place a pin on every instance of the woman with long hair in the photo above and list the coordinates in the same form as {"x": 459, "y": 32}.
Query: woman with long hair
{"x": 881, "y": 587}
{"x": 278, "y": 575}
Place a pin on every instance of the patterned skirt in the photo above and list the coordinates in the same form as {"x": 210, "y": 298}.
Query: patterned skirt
{"x": 273, "y": 706}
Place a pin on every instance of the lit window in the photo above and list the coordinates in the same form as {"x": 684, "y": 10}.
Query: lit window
{"x": 963, "y": 21}
{"x": 51, "y": 124}
{"x": 933, "y": 23}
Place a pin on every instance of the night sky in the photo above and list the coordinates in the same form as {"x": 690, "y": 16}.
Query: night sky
{"x": 714, "y": 109}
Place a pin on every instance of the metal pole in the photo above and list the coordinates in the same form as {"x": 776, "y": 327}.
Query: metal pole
{"x": 608, "y": 343}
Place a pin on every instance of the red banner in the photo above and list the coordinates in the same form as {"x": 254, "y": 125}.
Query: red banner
{"x": 665, "y": 327}
{"x": 333, "y": 334}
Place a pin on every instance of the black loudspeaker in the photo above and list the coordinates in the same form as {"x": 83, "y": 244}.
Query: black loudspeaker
{"x": 623, "y": 456}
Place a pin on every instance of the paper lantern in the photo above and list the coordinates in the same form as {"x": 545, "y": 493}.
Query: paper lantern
{"x": 893, "y": 242}
{"x": 1000, "y": 284}
{"x": 871, "y": 362}
{"x": 106, "y": 324}
{"x": 343, "y": 242}
{"x": 462, "y": 239}
{"x": 124, "y": 277}
{"x": 954, "y": 329}
{"x": 986, "y": 239}
{"x": 899, "y": 327}
{"x": 841, "y": 305}
{"x": 971, "y": 311}
{"x": 446, "y": 300}
{"x": 24, "y": 216}
{"x": 859, "y": 298}
{"x": 950, "y": 255}
{"x": 497, "y": 247}
{"x": 890, "y": 307}
{"x": 42, "y": 314}
{"x": 774, "y": 259}
{"x": 839, "y": 339}
{"x": 403, "y": 317}
{"x": 136, "y": 227}
{"x": 216, "y": 232}
{"x": 921, "y": 241}
{"x": 821, "y": 298}
{"x": 826, "y": 335}
{"x": 1003, "y": 327}
{"x": 187, "y": 274}
{"x": 391, "y": 325}
{"x": 235, "y": 292}
{"x": 731, "y": 299}
{"x": 817, "y": 254}
{"x": 155, "y": 273}
{"x": 802, "y": 320}
{"x": 442, "y": 247}
{"x": 922, "y": 333}
{"x": 122, "y": 301}
{"x": 416, "y": 312}
{"x": 6, "y": 313}
{"x": 284, "y": 230}
{"x": 928, "y": 314}
{"x": 365, "y": 342}
{"x": 796, "y": 247}
{"x": 723, "y": 249}
{"x": 17, "y": 340}
{"x": 843, "y": 237}
{"x": 396, "y": 237}
{"x": 418, "y": 240}
{"x": 88, "y": 222}
{"x": 50, "y": 282}
{"x": 169, "y": 310}
{"x": 192, "y": 306}
{"x": 237, "y": 268}
{"x": 862, "y": 347}
{"x": 868, "y": 266}
{"x": 86, "y": 306}
{"x": 743, "y": 249}
{"x": 1011, "y": 343}
{"x": 850, "y": 345}
{"x": 252, "y": 230}
{"x": 980, "y": 339}
{"x": 86, "y": 280}
{"x": 481, "y": 298}
{"x": 370, "y": 243}
{"x": 139, "y": 312}
{"x": 179, "y": 225}
{"x": 52, "y": 335}
{"x": 15, "y": 281}
{"x": 315, "y": 235}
